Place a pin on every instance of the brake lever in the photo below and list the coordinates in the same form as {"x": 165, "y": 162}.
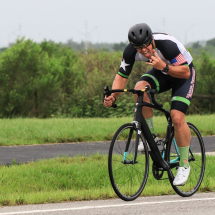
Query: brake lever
{"x": 148, "y": 92}
{"x": 106, "y": 89}
{"x": 151, "y": 94}
{"x": 107, "y": 93}
{"x": 153, "y": 100}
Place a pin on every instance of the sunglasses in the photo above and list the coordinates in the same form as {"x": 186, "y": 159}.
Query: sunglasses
{"x": 143, "y": 45}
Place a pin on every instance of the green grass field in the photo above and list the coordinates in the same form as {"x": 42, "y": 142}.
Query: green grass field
{"x": 71, "y": 179}
{"x": 54, "y": 130}
{"x": 79, "y": 178}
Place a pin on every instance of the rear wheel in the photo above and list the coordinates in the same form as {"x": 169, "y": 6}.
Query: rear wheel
{"x": 128, "y": 179}
{"x": 196, "y": 161}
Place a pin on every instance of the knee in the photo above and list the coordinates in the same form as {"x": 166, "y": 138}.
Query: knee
{"x": 177, "y": 120}
{"x": 139, "y": 86}
{"x": 145, "y": 98}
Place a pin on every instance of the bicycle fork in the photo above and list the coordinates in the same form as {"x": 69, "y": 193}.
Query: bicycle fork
{"x": 127, "y": 147}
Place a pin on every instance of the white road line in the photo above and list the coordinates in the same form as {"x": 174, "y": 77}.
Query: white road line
{"x": 106, "y": 206}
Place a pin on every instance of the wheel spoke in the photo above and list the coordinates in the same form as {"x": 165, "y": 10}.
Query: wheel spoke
{"x": 197, "y": 165}
{"x": 128, "y": 180}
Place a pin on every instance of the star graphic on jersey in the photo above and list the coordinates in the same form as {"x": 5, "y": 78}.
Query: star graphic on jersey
{"x": 123, "y": 64}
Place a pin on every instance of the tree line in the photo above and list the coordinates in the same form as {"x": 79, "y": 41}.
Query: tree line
{"x": 50, "y": 79}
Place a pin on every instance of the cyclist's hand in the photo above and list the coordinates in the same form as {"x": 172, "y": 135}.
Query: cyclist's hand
{"x": 108, "y": 101}
{"x": 156, "y": 61}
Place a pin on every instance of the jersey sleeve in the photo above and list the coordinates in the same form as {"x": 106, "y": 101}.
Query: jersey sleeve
{"x": 127, "y": 61}
{"x": 171, "y": 52}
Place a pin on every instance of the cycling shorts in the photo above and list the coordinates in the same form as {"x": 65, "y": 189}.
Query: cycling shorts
{"x": 182, "y": 89}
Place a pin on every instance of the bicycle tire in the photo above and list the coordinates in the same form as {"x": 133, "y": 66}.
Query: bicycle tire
{"x": 128, "y": 180}
{"x": 197, "y": 164}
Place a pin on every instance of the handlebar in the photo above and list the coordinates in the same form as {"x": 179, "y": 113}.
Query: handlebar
{"x": 150, "y": 92}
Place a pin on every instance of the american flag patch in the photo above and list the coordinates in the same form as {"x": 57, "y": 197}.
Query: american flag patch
{"x": 178, "y": 60}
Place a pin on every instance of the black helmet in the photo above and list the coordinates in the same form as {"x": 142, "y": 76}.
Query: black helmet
{"x": 140, "y": 34}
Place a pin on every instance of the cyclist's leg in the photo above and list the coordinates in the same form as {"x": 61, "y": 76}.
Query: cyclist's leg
{"x": 182, "y": 131}
{"x": 182, "y": 135}
{"x": 156, "y": 80}
{"x": 182, "y": 94}
{"x": 147, "y": 112}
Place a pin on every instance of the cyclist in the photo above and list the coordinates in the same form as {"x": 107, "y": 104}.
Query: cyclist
{"x": 172, "y": 68}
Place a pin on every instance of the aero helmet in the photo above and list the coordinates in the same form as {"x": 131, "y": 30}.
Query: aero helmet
{"x": 140, "y": 34}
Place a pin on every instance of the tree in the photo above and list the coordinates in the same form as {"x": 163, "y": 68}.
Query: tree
{"x": 34, "y": 78}
{"x": 205, "y": 83}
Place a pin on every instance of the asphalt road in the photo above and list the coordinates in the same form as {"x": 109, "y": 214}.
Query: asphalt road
{"x": 198, "y": 204}
{"x": 203, "y": 203}
{"x": 23, "y": 154}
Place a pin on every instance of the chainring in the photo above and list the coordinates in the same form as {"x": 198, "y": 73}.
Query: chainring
{"x": 157, "y": 173}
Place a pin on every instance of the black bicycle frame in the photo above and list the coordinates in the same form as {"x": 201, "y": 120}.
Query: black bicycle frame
{"x": 138, "y": 117}
{"x": 140, "y": 122}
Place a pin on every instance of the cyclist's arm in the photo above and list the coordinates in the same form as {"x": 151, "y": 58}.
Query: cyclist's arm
{"x": 182, "y": 71}
{"x": 123, "y": 73}
{"x": 119, "y": 83}
{"x": 178, "y": 67}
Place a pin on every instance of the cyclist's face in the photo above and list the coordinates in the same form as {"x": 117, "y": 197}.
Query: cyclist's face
{"x": 146, "y": 51}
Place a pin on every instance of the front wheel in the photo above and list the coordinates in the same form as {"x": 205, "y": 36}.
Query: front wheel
{"x": 128, "y": 177}
{"x": 196, "y": 160}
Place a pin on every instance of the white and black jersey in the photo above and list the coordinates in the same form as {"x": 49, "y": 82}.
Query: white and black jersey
{"x": 169, "y": 49}
{"x": 172, "y": 52}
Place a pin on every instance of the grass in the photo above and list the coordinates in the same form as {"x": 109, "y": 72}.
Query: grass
{"x": 39, "y": 131}
{"x": 71, "y": 179}
{"x": 78, "y": 178}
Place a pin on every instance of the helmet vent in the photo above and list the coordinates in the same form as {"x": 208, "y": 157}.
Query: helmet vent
{"x": 133, "y": 35}
{"x": 140, "y": 32}
{"x": 147, "y": 33}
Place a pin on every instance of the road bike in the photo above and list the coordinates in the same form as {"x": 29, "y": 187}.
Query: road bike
{"x": 128, "y": 168}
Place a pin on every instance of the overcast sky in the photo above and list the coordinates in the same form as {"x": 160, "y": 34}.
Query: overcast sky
{"x": 104, "y": 20}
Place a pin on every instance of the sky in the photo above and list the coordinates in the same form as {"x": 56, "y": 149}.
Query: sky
{"x": 104, "y": 20}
